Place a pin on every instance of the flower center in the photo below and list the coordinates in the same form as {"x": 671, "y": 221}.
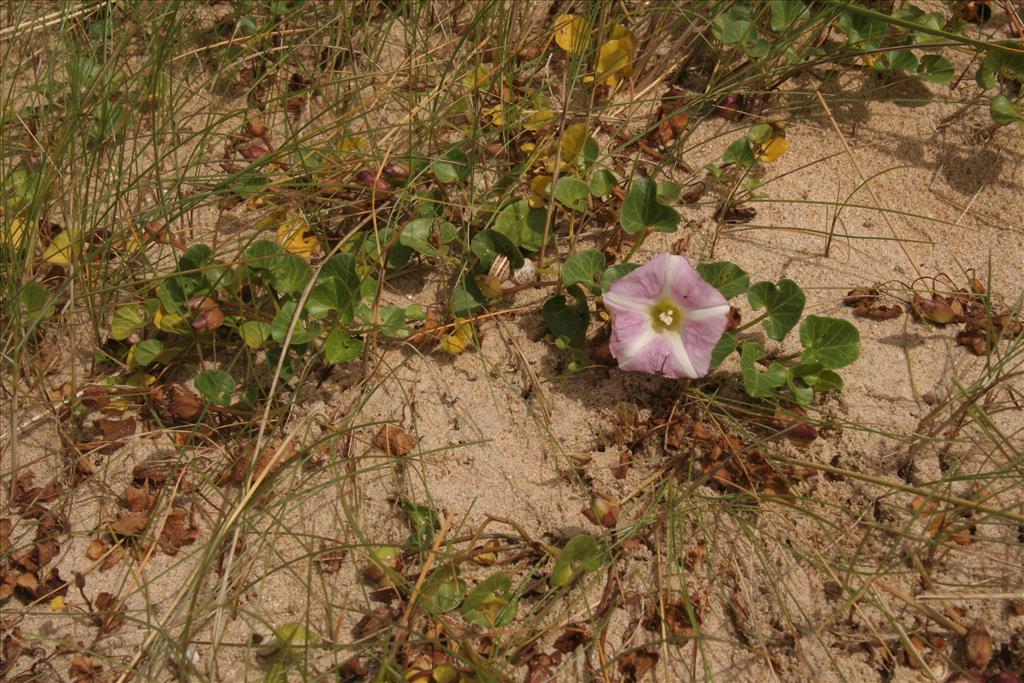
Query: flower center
{"x": 666, "y": 316}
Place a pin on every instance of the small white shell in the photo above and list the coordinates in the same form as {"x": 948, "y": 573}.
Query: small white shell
{"x": 526, "y": 274}
{"x": 500, "y": 267}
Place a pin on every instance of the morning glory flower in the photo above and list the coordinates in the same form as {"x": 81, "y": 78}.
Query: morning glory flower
{"x": 666, "y": 319}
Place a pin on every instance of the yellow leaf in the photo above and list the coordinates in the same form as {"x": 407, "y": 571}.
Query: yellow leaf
{"x": 169, "y": 322}
{"x": 527, "y": 147}
{"x": 295, "y": 236}
{"x": 13, "y": 234}
{"x": 57, "y": 604}
{"x": 540, "y": 190}
{"x": 495, "y": 114}
{"x": 774, "y": 149}
{"x": 478, "y": 78}
{"x": 539, "y": 120}
{"x": 62, "y": 249}
{"x": 615, "y": 58}
{"x": 350, "y": 144}
{"x": 459, "y": 339}
{"x": 570, "y": 33}
{"x": 571, "y": 144}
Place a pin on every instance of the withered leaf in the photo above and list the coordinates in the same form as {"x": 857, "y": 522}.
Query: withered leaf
{"x": 96, "y": 549}
{"x": 14, "y": 646}
{"x": 268, "y": 463}
{"x": 109, "y": 613}
{"x": 574, "y": 635}
{"x": 174, "y": 403}
{"x": 115, "y": 430}
{"x": 139, "y": 498}
{"x": 330, "y": 559}
{"x": 156, "y": 470}
{"x": 178, "y": 531}
{"x": 634, "y": 665}
{"x": 130, "y": 524}
{"x": 394, "y": 440}
{"x": 85, "y": 669}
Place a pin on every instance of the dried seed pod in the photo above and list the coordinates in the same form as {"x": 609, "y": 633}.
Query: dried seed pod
{"x": 978, "y": 646}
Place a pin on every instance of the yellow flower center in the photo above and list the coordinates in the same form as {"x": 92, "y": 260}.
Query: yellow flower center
{"x": 666, "y": 316}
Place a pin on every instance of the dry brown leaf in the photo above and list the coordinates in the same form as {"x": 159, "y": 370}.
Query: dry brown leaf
{"x": 85, "y": 669}
{"x": 394, "y": 440}
{"x": 108, "y": 614}
{"x": 268, "y": 464}
{"x": 140, "y": 498}
{"x": 115, "y": 430}
{"x": 178, "y": 531}
{"x": 635, "y": 665}
{"x": 96, "y": 549}
{"x": 174, "y": 404}
{"x": 130, "y": 524}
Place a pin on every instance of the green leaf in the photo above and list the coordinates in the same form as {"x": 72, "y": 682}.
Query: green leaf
{"x": 216, "y": 386}
{"x": 491, "y": 604}
{"x": 487, "y": 244}
{"x": 615, "y": 272}
{"x": 581, "y": 554}
{"x": 734, "y": 26}
{"x": 726, "y": 277}
{"x": 802, "y": 394}
{"x": 784, "y": 305}
{"x": 785, "y": 13}
{"x": 668, "y": 192}
{"x": 901, "y": 60}
{"x": 466, "y": 296}
{"x": 573, "y": 193}
{"x": 1003, "y": 112}
{"x": 195, "y": 257}
{"x": 759, "y": 133}
{"x": 146, "y": 351}
{"x": 417, "y": 235}
{"x": 289, "y": 273}
{"x": 641, "y": 210}
{"x": 451, "y": 167}
{"x": 825, "y": 380}
{"x": 568, "y": 320}
{"x": 863, "y": 32}
{"x": 583, "y": 267}
{"x": 303, "y": 333}
{"x": 723, "y": 349}
{"x": 339, "y": 347}
{"x": 522, "y": 224}
{"x": 392, "y": 321}
{"x": 171, "y": 294}
{"x": 740, "y": 153}
{"x": 442, "y": 591}
{"x": 756, "y": 383}
{"x": 260, "y": 254}
{"x": 424, "y": 523}
{"x": 126, "y": 322}
{"x": 832, "y": 342}
{"x": 602, "y": 183}
{"x": 936, "y": 69}
{"x": 254, "y": 333}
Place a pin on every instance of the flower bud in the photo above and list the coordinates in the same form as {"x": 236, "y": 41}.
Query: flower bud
{"x": 603, "y": 511}
{"x": 490, "y": 286}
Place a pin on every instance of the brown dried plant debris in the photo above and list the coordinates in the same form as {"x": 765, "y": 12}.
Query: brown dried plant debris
{"x": 394, "y": 441}
{"x": 269, "y": 463}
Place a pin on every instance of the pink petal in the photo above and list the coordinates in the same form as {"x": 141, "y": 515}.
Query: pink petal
{"x": 645, "y": 283}
{"x": 700, "y": 337}
{"x": 690, "y": 290}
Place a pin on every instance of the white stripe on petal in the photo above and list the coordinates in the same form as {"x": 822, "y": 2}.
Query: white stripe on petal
{"x": 679, "y": 351}
{"x": 638, "y": 344}
{"x": 630, "y": 304}
{"x": 668, "y": 275}
{"x": 706, "y": 313}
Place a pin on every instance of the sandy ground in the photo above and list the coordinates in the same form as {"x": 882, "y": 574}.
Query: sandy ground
{"x": 504, "y": 432}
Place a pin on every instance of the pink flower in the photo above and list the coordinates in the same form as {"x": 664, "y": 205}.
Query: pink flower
{"x": 666, "y": 319}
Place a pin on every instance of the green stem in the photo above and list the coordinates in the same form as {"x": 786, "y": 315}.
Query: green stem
{"x": 751, "y": 323}
{"x": 636, "y": 245}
